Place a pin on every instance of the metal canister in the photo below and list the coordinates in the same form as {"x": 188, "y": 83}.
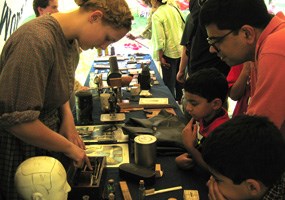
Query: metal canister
{"x": 112, "y": 50}
{"x": 145, "y": 150}
{"x": 107, "y": 51}
{"x": 99, "y": 52}
{"x": 84, "y": 107}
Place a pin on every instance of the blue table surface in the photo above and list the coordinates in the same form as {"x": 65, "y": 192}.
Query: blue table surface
{"x": 157, "y": 91}
{"x": 194, "y": 179}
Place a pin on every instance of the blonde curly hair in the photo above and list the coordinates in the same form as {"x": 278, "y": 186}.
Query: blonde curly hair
{"x": 116, "y": 12}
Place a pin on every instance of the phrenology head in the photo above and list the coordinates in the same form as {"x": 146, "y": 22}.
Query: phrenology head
{"x": 41, "y": 178}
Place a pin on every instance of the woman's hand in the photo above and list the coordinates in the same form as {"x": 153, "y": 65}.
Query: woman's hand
{"x": 67, "y": 126}
{"x": 78, "y": 156}
{"x": 70, "y": 133}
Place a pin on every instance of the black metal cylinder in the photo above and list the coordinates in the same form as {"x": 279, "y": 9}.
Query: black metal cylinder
{"x": 84, "y": 107}
{"x": 144, "y": 78}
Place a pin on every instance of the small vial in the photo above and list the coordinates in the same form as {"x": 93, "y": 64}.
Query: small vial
{"x": 111, "y": 186}
{"x": 112, "y": 50}
{"x": 108, "y": 189}
{"x": 85, "y": 197}
{"x": 141, "y": 190}
{"x": 99, "y": 51}
{"x": 111, "y": 196}
{"x": 106, "y": 51}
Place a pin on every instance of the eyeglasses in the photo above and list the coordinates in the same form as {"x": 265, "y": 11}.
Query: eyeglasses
{"x": 214, "y": 40}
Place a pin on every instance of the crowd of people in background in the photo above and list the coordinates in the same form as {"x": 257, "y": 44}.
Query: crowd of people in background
{"x": 251, "y": 44}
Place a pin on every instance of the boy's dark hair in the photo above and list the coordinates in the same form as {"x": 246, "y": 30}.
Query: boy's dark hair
{"x": 232, "y": 15}
{"x": 208, "y": 83}
{"x": 39, "y": 3}
{"x": 246, "y": 147}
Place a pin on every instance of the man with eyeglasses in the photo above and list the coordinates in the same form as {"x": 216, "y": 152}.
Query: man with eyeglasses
{"x": 195, "y": 54}
{"x": 196, "y": 46}
{"x": 216, "y": 40}
{"x": 243, "y": 30}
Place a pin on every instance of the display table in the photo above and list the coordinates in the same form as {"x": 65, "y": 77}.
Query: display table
{"x": 194, "y": 179}
{"x": 159, "y": 90}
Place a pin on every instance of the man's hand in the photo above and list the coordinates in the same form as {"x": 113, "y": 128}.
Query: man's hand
{"x": 180, "y": 77}
{"x": 131, "y": 36}
{"x": 163, "y": 63}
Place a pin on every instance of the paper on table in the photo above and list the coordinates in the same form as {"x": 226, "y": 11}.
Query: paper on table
{"x": 153, "y": 191}
{"x": 106, "y": 58}
{"x": 116, "y": 154}
{"x": 153, "y": 101}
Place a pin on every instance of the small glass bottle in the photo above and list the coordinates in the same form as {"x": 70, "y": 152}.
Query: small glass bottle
{"x": 85, "y": 197}
{"x": 111, "y": 196}
{"x": 112, "y": 50}
{"x": 108, "y": 189}
{"x": 99, "y": 52}
{"x": 144, "y": 78}
{"x": 106, "y": 51}
{"x": 141, "y": 190}
{"x": 111, "y": 186}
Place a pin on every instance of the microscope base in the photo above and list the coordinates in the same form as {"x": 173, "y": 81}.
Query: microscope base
{"x": 117, "y": 117}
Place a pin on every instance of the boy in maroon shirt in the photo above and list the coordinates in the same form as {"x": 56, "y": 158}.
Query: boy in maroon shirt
{"x": 205, "y": 91}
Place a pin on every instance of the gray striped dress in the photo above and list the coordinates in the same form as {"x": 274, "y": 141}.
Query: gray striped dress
{"x": 37, "y": 68}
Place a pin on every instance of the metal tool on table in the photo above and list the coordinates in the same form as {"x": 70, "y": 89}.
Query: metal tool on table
{"x": 113, "y": 115}
{"x": 114, "y": 69}
{"x": 85, "y": 182}
{"x": 114, "y": 80}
